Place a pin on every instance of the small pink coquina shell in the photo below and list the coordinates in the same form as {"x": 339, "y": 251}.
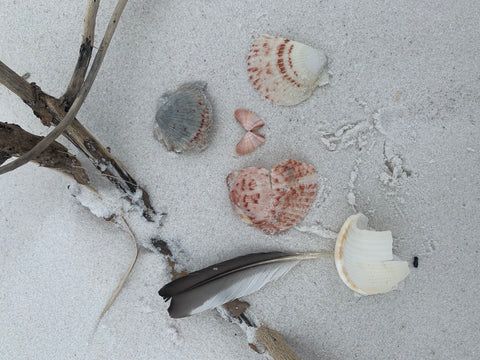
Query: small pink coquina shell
{"x": 248, "y": 119}
{"x": 285, "y": 71}
{"x": 249, "y": 142}
{"x": 275, "y": 201}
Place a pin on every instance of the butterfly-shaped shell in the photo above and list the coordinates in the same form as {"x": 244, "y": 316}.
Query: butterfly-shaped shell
{"x": 364, "y": 258}
{"x": 249, "y": 120}
{"x": 285, "y": 71}
{"x": 183, "y": 121}
{"x": 249, "y": 142}
{"x": 273, "y": 202}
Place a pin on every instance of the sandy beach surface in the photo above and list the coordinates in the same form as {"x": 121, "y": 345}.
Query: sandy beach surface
{"x": 394, "y": 135}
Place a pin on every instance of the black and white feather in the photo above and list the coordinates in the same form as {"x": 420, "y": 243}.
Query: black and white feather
{"x": 220, "y": 283}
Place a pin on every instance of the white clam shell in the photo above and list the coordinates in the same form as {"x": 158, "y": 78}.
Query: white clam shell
{"x": 285, "y": 71}
{"x": 364, "y": 258}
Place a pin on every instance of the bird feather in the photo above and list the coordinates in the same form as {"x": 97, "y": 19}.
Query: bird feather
{"x": 223, "y": 282}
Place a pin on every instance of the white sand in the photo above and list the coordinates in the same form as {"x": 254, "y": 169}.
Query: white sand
{"x": 404, "y": 94}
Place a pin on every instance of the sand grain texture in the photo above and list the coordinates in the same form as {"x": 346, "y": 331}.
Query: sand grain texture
{"x": 394, "y": 136}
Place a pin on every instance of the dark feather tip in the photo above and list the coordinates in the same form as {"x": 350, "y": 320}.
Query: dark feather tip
{"x": 164, "y": 294}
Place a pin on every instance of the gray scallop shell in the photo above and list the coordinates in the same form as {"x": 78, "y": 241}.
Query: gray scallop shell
{"x": 183, "y": 121}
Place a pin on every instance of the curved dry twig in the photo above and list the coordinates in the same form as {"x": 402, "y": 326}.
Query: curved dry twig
{"x": 124, "y": 278}
{"x": 84, "y": 55}
{"x": 70, "y": 117}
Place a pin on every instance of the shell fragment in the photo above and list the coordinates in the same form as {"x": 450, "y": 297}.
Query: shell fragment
{"x": 364, "y": 258}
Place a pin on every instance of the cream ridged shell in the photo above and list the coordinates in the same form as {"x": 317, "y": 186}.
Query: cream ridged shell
{"x": 364, "y": 258}
{"x": 249, "y": 142}
{"x": 248, "y": 119}
{"x": 285, "y": 71}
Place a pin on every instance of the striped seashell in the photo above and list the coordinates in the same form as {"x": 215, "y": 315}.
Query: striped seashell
{"x": 285, "y": 71}
{"x": 183, "y": 121}
{"x": 273, "y": 202}
{"x": 249, "y": 142}
{"x": 249, "y": 120}
{"x": 364, "y": 258}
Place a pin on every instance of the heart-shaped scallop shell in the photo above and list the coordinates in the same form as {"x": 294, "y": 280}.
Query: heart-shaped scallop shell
{"x": 364, "y": 258}
{"x": 285, "y": 71}
{"x": 249, "y": 142}
{"x": 183, "y": 121}
{"x": 249, "y": 120}
{"x": 273, "y": 202}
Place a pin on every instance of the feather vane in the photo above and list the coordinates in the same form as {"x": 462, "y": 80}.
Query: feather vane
{"x": 223, "y": 282}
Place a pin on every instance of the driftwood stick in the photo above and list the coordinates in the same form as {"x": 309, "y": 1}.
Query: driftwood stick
{"x": 14, "y": 142}
{"x": 266, "y": 340}
{"x": 31, "y": 95}
{"x": 84, "y": 55}
{"x": 97, "y": 62}
{"x": 51, "y": 112}
{"x": 16, "y": 84}
{"x": 275, "y": 344}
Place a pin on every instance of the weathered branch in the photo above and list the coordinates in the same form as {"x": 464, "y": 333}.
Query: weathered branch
{"x": 70, "y": 117}
{"x": 16, "y": 84}
{"x": 50, "y": 111}
{"x": 14, "y": 142}
{"x": 84, "y": 55}
{"x": 275, "y": 344}
{"x": 266, "y": 340}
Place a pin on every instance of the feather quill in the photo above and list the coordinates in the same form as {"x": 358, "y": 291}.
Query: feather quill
{"x": 226, "y": 281}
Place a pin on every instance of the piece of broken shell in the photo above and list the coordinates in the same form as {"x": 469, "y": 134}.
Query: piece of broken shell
{"x": 364, "y": 258}
{"x": 249, "y": 120}
{"x": 249, "y": 142}
{"x": 273, "y": 202}
{"x": 285, "y": 71}
{"x": 183, "y": 121}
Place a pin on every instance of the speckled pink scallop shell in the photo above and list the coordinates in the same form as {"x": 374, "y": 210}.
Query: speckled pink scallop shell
{"x": 285, "y": 71}
{"x": 273, "y": 202}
